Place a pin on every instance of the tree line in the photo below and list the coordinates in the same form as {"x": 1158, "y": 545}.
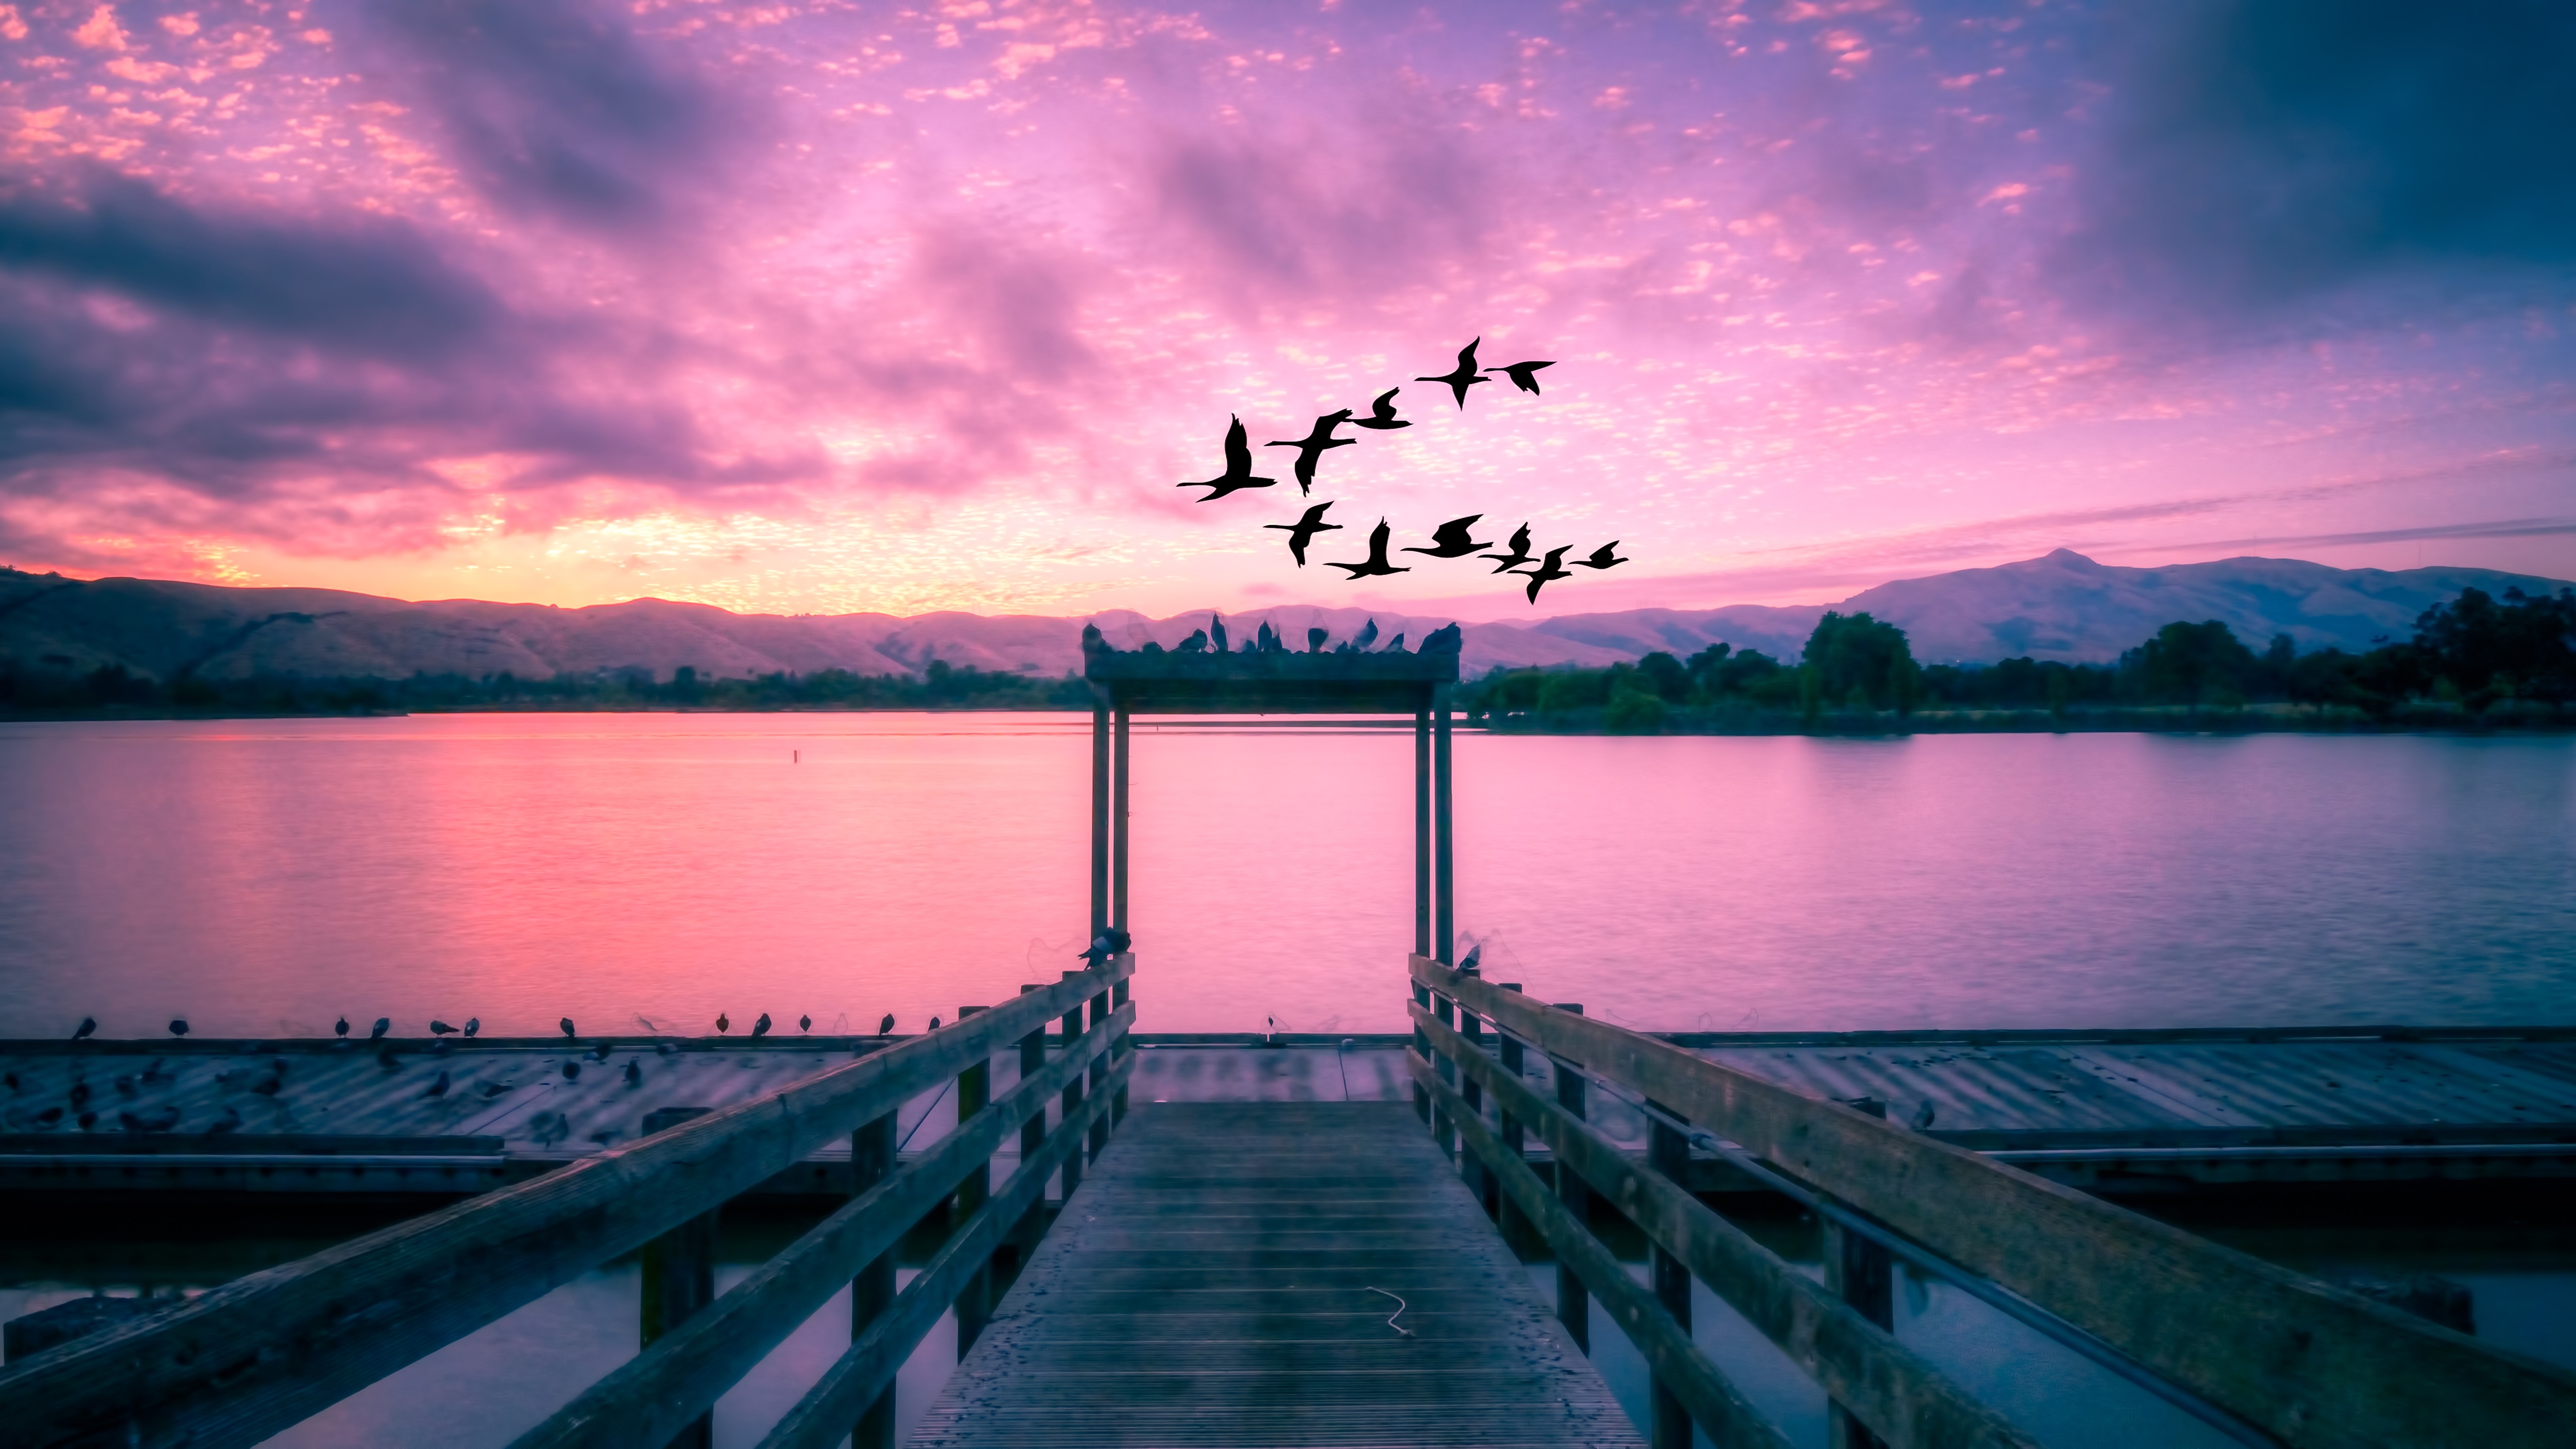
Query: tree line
{"x": 115, "y": 689}
{"x": 2476, "y": 659}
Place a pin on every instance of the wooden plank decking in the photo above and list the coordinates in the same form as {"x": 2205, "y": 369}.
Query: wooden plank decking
{"x": 1209, "y": 1284}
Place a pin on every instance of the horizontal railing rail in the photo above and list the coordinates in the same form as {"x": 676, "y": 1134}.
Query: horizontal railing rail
{"x": 243, "y": 1361}
{"x": 2293, "y": 1358}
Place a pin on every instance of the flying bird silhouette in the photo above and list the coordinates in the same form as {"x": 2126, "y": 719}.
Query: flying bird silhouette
{"x": 1300, "y": 534}
{"x": 88, "y": 1027}
{"x": 1522, "y": 374}
{"x": 1546, "y": 571}
{"x": 1382, "y": 413}
{"x": 1376, "y": 564}
{"x": 1450, "y": 539}
{"x": 340, "y": 1027}
{"x": 1508, "y": 562}
{"x": 1238, "y": 468}
{"x": 886, "y": 1027}
{"x": 1464, "y": 376}
{"x": 760, "y": 1028}
{"x": 1312, "y": 446}
{"x": 1602, "y": 557}
{"x": 566, "y": 1024}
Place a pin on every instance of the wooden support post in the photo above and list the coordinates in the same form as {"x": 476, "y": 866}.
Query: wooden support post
{"x": 1072, "y": 1097}
{"x": 872, "y": 1150}
{"x": 1573, "y": 1305}
{"x": 1422, "y": 834}
{"x": 1032, "y": 1225}
{"x": 1444, "y": 875}
{"x": 1125, "y": 1044}
{"x": 1517, "y": 1228}
{"x": 680, "y": 1276}
{"x": 1421, "y": 1043}
{"x": 1479, "y": 1181}
{"x": 1100, "y": 1075}
{"x": 1118, "y": 825}
{"x": 1099, "y": 813}
{"x": 974, "y": 1093}
{"x": 1668, "y": 1153}
{"x": 1862, "y": 1274}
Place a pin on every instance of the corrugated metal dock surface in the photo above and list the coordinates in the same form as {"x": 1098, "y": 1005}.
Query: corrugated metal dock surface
{"x": 1228, "y": 1275}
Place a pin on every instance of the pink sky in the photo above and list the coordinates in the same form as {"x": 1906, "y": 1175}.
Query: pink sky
{"x": 834, "y": 307}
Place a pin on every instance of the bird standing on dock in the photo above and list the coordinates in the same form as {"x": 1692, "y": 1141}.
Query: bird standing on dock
{"x": 87, "y": 1028}
{"x": 178, "y": 1026}
{"x": 1238, "y": 468}
{"x": 934, "y": 1023}
{"x": 340, "y": 1027}
{"x": 439, "y": 1028}
{"x": 760, "y": 1028}
{"x": 1464, "y": 376}
{"x": 1923, "y": 1117}
{"x": 886, "y": 1027}
{"x": 571, "y": 1071}
{"x": 566, "y": 1024}
{"x": 377, "y": 1032}
{"x": 634, "y": 1075}
{"x": 473, "y": 1024}
{"x": 1103, "y": 946}
{"x": 600, "y": 1053}
{"x": 437, "y": 1088}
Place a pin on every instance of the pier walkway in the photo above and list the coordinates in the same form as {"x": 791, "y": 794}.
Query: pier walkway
{"x": 1274, "y": 1274}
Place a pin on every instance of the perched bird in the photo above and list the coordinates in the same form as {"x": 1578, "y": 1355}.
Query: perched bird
{"x": 88, "y": 1027}
{"x": 571, "y": 1071}
{"x": 724, "y": 1023}
{"x": 1602, "y": 557}
{"x": 1382, "y": 413}
{"x": 178, "y": 1026}
{"x": 634, "y": 1075}
{"x": 439, "y": 1028}
{"x": 601, "y": 1052}
{"x": 1311, "y": 447}
{"x": 1546, "y": 571}
{"x": 1464, "y": 376}
{"x": 473, "y": 1024}
{"x": 229, "y": 1122}
{"x": 886, "y": 1027}
{"x": 566, "y": 1024}
{"x": 437, "y": 1088}
{"x": 1238, "y": 468}
{"x": 1522, "y": 374}
{"x": 760, "y": 1028}
{"x": 1300, "y": 533}
{"x": 1105, "y": 945}
{"x": 805, "y": 1023}
{"x": 1451, "y": 540}
{"x": 1366, "y": 636}
{"x": 383, "y": 1024}
{"x": 1923, "y": 1117}
{"x": 1506, "y": 562}
{"x": 1376, "y": 564}
{"x": 1475, "y": 960}
{"x": 494, "y": 1089}
{"x": 934, "y": 1023}
{"x": 1216, "y": 632}
{"x": 340, "y": 1027}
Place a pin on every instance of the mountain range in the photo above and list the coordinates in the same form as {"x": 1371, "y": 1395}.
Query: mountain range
{"x": 2063, "y": 606}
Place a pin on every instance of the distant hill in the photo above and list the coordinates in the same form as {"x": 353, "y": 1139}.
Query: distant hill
{"x": 2063, "y": 607}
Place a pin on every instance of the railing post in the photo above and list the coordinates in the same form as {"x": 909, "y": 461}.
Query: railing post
{"x": 1126, "y": 1043}
{"x": 1072, "y": 1096}
{"x": 1422, "y": 1043}
{"x": 974, "y": 1094}
{"x": 1487, "y": 1187}
{"x": 1863, "y": 1275}
{"x": 1100, "y": 1073}
{"x": 1118, "y": 823}
{"x": 1444, "y": 875}
{"x": 680, "y": 1276}
{"x": 1517, "y": 1228}
{"x": 1032, "y": 1225}
{"x": 1422, "y": 843}
{"x": 1099, "y": 812}
{"x": 1573, "y": 1304}
{"x": 1668, "y": 1153}
{"x": 872, "y": 1149}
{"x": 1441, "y": 1131}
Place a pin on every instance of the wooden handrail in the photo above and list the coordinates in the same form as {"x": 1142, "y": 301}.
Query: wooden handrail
{"x": 2309, "y": 1364}
{"x": 650, "y": 1397}
{"x": 1899, "y": 1395}
{"x": 243, "y": 1361}
{"x": 822, "y": 1418}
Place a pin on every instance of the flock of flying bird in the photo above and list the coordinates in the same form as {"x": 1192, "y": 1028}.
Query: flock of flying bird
{"x": 1453, "y": 539}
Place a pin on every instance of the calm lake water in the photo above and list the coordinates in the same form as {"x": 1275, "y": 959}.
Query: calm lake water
{"x": 261, "y": 877}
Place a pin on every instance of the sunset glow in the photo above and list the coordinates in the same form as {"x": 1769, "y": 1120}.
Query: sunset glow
{"x": 825, "y": 308}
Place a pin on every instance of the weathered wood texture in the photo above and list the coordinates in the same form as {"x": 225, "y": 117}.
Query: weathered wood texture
{"x": 2310, "y": 1364}
{"x": 241, "y": 1362}
{"x": 1210, "y": 1284}
{"x": 1892, "y": 1389}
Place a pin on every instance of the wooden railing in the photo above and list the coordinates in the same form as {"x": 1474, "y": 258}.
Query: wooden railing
{"x": 243, "y": 1361}
{"x": 2262, "y": 1352}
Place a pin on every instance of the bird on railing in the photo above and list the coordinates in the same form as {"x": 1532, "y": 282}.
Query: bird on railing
{"x": 1103, "y": 946}
{"x": 87, "y": 1028}
{"x": 383, "y": 1024}
{"x": 439, "y": 1028}
{"x": 1475, "y": 960}
{"x": 934, "y": 1023}
{"x": 724, "y": 1023}
{"x": 601, "y": 1052}
{"x": 760, "y": 1028}
{"x": 178, "y": 1026}
{"x": 473, "y": 1024}
{"x": 340, "y": 1027}
{"x": 566, "y": 1024}
{"x": 634, "y": 1075}
{"x": 1366, "y": 636}
{"x": 805, "y": 1023}
{"x": 886, "y": 1027}
{"x": 437, "y": 1088}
